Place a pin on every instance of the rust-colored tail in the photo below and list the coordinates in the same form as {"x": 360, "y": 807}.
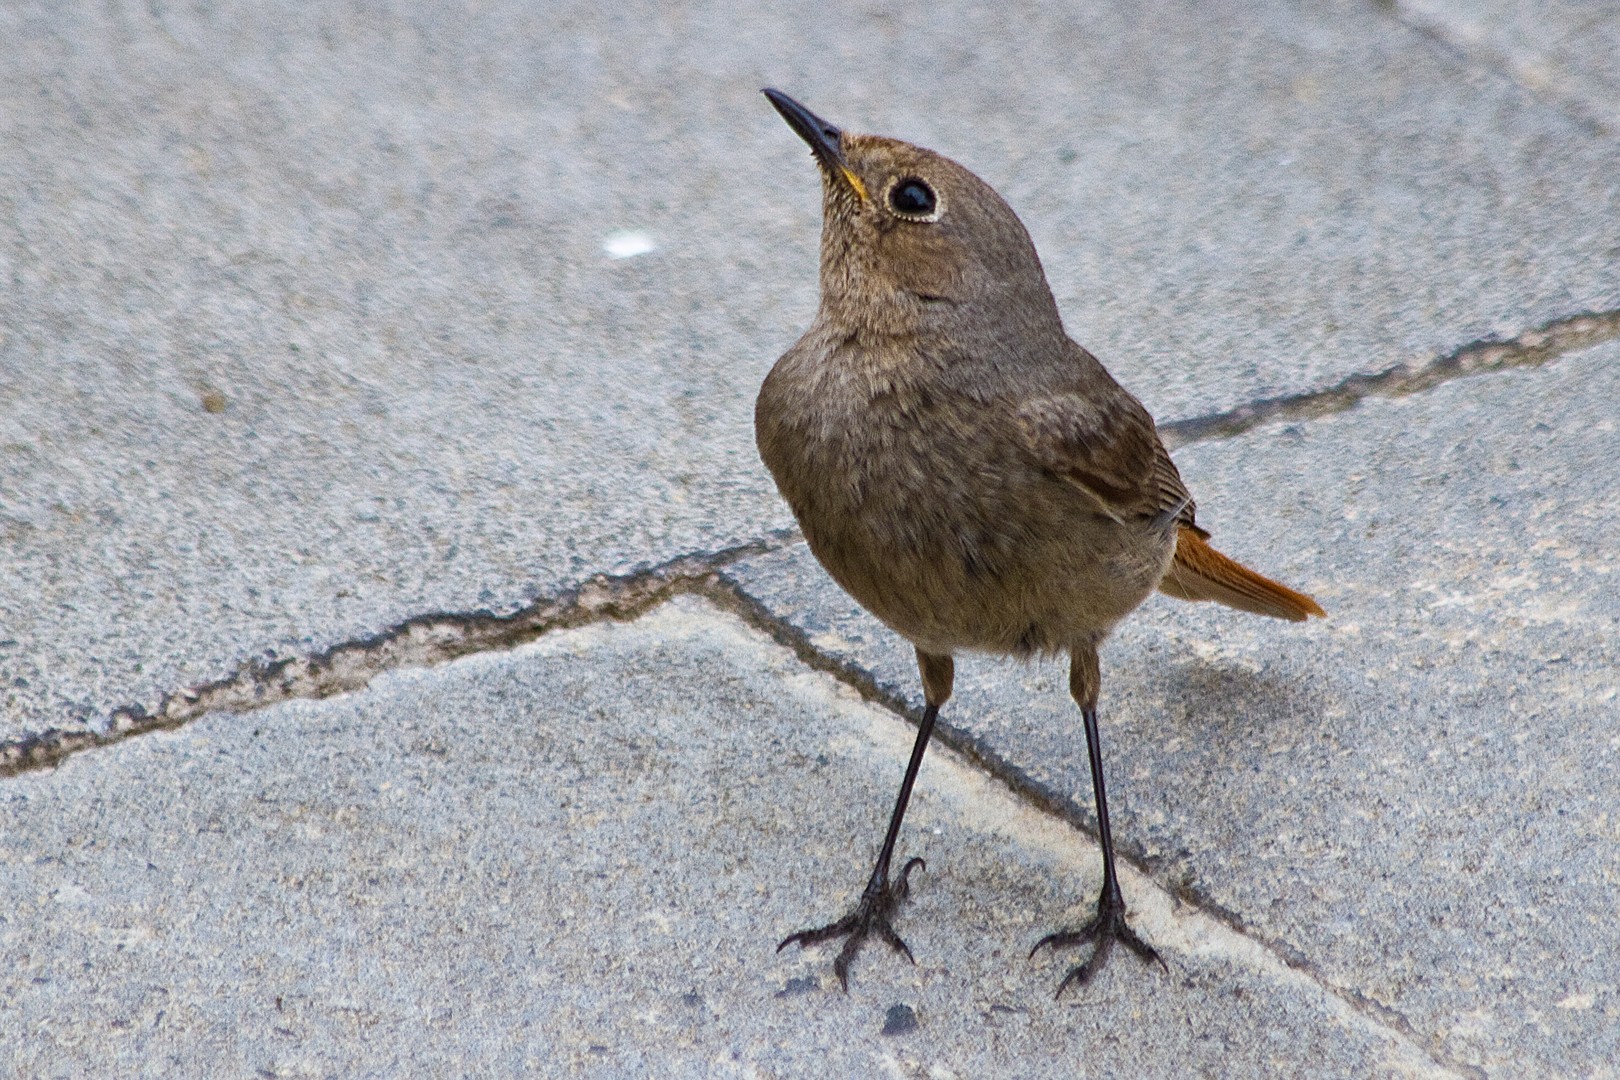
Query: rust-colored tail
{"x": 1199, "y": 572}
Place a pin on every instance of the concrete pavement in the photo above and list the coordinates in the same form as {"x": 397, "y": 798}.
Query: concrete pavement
{"x": 334, "y": 344}
{"x": 575, "y": 858}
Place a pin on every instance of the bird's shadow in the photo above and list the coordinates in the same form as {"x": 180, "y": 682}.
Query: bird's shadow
{"x": 1215, "y": 699}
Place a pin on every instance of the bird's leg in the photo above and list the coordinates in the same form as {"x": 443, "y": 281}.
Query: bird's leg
{"x": 1108, "y": 925}
{"x": 882, "y": 897}
{"x": 874, "y": 912}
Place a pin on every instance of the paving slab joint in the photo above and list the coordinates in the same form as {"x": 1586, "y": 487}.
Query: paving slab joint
{"x": 1371, "y": 1009}
{"x": 1532, "y": 348}
{"x": 721, "y": 590}
{"x": 421, "y": 641}
{"x": 436, "y": 637}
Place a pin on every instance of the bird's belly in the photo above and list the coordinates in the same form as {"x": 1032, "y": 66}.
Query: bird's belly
{"x": 942, "y": 526}
{"x": 992, "y": 581}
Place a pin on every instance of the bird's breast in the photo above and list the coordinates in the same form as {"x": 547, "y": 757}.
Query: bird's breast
{"x": 922, "y": 504}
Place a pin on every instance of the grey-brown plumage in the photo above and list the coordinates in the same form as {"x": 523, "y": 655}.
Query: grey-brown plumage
{"x": 963, "y": 469}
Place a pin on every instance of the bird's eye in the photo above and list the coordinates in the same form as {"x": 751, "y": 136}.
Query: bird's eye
{"x": 912, "y": 198}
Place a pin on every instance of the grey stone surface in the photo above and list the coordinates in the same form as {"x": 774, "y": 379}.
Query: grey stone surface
{"x": 309, "y": 324}
{"x": 1415, "y": 796}
{"x": 1565, "y": 49}
{"x": 573, "y": 859}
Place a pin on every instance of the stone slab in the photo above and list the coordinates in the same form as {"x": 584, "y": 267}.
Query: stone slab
{"x": 318, "y": 320}
{"x": 1567, "y": 50}
{"x": 573, "y": 860}
{"x": 1415, "y": 796}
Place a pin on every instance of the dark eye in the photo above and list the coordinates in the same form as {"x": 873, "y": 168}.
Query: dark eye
{"x": 912, "y": 197}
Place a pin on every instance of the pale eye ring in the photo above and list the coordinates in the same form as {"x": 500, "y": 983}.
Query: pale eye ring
{"x": 912, "y": 198}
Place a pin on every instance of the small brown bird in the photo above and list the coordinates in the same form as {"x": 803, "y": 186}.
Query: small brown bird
{"x": 969, "y": 474}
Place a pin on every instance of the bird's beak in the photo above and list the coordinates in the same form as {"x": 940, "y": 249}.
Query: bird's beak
{"x": 822, "y": 137}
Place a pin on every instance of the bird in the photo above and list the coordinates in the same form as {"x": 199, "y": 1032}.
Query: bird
{"x": 969, "y": 474}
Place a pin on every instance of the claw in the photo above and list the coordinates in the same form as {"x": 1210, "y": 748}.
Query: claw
{"x": 1063, "y": 939}
{"x": 871, "y": 917}
{"x": 818, "y": 934}
{"x": 1105, "y": 928}
{"x": 886, "y": 932}
{"x": 1081, "y": 973}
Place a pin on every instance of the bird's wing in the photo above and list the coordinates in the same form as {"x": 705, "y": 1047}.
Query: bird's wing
{"x": 1102, "y": 440}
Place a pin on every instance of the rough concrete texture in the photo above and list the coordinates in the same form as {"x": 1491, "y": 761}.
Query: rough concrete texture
{"x": 312, "y": 321}
{"x": 575, "y": 859}
{"x": 1566, "y": 50}
{"x": 1414, "y": 798}
{"x": 315, "y": 323}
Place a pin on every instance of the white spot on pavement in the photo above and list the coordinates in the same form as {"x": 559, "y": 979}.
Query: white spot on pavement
{"x": 628, "y": 243}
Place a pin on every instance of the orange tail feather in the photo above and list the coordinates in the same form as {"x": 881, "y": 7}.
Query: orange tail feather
{"x": 1199, "y": 572}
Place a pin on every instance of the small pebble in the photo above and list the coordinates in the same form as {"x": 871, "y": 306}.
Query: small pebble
{"x": 899, "y": 1020}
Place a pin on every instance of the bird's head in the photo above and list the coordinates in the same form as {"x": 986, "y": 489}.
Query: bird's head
{"x": 910, "y": 238}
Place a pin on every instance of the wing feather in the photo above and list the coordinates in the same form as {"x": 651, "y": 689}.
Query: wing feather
{"x": 1106, "y": 445}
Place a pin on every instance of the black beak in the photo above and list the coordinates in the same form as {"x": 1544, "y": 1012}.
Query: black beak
{"x": 822, "y": 137}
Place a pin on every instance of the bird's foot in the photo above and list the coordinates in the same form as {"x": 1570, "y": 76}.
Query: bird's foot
{"x": 871, "y": 916}
{"x": 1105, "y": 928}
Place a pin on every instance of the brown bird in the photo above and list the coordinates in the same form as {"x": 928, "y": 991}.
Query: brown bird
{"x": 969, "y": 474}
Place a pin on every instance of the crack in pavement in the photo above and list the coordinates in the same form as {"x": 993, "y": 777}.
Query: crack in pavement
{"x": 421, "y": 641}
{"x": 1533, "y": 348}
{"x": 425, "y": 640}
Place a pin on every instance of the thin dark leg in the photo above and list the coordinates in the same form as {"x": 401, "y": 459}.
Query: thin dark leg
{"x": 1108, "y": 925}
{"x": 925, "y": 730}
{"x": 882, "y": 897}
{"x": 1099, "y": 792}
